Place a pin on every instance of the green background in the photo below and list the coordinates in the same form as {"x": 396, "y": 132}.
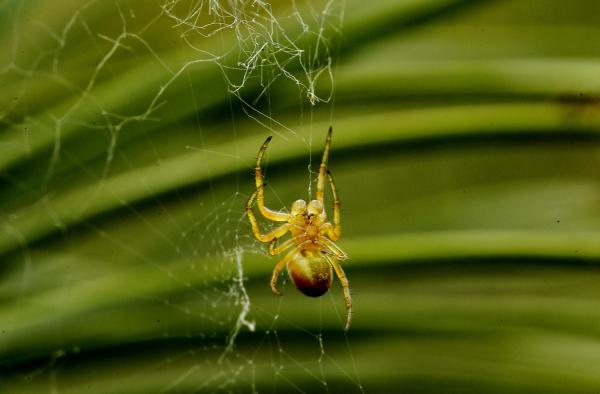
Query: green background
{"x": 466, "y": 154}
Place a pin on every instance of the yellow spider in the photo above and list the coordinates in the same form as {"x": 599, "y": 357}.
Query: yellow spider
{"x": 314, "y": 255}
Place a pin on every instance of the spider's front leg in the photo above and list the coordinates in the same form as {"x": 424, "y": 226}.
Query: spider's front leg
{"x": 270, "y": 236}
{"x": 320, "y": 194}
{"x": 260, "y": 188}
{"x": 335, "y": 230}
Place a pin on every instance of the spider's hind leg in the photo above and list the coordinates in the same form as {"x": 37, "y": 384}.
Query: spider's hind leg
{"x": 277, "y": 270}
{"x": 346, "y": 287}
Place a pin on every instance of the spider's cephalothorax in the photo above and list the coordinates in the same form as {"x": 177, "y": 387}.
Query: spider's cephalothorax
{"x": 314, "y": 255}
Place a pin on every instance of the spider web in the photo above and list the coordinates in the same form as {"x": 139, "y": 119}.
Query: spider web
{"x": 123, "y": 237}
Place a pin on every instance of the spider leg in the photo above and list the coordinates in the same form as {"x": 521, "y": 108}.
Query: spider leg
{"x": 346, "y": 287}
{"x": 323, "y": 168}
{"x": 260, "y": 188}
{"x": 333, "y": 231}
{"x": 330, "y": 246}
{"x": 270, "y": 236}
{"x": 277, "y": 270}
{"x": 273, "y": 250}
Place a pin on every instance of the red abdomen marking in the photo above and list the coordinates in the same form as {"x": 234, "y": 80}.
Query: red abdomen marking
{"x": 311, "y": 273}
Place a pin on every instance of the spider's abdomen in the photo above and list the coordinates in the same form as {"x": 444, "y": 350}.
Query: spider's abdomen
{"x": 311, "y": 273}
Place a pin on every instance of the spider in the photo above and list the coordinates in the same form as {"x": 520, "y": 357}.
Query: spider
{"x": 314, "y": 255}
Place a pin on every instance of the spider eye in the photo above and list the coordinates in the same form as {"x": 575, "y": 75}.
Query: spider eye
{"x": 315, "y": 207}
{"x": 298, "y": 207}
